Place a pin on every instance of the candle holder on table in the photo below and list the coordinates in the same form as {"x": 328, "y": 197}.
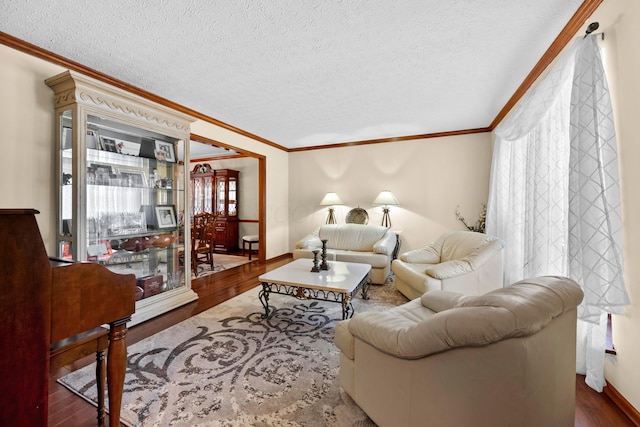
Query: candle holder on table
{"x": 324, "y": 265}
{"x": 316, "y": 267}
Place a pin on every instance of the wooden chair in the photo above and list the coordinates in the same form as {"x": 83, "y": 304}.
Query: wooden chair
{"x": 202, "y": 244}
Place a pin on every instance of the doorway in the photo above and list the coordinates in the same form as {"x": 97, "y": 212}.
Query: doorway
{"x": 253, "y": 182}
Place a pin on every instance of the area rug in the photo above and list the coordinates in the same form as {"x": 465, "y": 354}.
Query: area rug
{"x": 220, "y": 262}
{"x": 230, "y": 367}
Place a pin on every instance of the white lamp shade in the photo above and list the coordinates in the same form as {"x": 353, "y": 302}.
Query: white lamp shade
{"x": 330, "y": 199}
{"x": 386, "y": 198}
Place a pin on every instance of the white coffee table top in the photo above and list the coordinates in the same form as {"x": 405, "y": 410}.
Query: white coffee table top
{"x": 342, "y": 276}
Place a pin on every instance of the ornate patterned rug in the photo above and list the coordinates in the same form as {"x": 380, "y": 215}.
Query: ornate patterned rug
{"x": 221, "y": 262}
{"x": 230, "y": 367}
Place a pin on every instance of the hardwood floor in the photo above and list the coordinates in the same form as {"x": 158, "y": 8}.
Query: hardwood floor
{"x": 66, "y": 409}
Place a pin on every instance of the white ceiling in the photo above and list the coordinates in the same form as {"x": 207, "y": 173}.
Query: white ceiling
{"x": 308, "y": 73}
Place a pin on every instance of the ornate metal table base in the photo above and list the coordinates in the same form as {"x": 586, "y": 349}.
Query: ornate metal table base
{"x": 302, "y": 292}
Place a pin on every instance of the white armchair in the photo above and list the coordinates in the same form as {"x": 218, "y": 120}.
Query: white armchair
{"x": 463, "y": 261}
{"x": 505, "y": 358}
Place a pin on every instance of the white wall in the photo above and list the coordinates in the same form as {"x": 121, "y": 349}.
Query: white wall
{"x": 429, "y": 177}
{"x": 27, "y": 143}
{"x": 620, "y": 20}
{"x": 277, "y": 223}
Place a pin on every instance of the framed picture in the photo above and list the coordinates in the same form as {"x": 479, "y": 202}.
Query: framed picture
{"x": 108, "y": 144}
{"x": 165, "y": 151}
{"x": 100, "y": 174}
{"x": 100, "y": 250}
{"x": 133, "y": 178}
{"x": 121, "y": 146}
{"x": 166, "y": 216}
{"x": 129, "y": 148}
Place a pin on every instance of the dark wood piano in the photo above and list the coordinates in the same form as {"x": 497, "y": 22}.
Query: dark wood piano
{"x": 50, "y": 310}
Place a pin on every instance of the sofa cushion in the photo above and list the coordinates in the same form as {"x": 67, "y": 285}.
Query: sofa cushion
{"x": 352, "y": 237}
{"x": 374, "y": 260}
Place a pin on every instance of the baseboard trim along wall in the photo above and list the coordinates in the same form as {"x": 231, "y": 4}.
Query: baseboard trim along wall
{"x": 622, "y": 403}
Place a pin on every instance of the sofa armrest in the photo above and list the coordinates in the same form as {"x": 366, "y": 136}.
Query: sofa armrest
{"x": 421, "y": 256}
{"x": 481, "y": 256}
{"x": 448, "y": 269}
{"x": 310, "y": 241}
{"x": 439, "y": 300}
{"x": 467, "y": 264}
{"x": 400, "y": 336}
{"x": 387, "y": 244}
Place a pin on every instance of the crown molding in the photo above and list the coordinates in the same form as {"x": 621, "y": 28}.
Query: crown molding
{"x": 569, "y": 31}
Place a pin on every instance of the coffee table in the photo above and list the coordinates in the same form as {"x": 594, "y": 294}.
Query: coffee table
{"x": 338, "y": 284}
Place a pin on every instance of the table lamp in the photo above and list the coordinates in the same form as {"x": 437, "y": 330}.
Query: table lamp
{"x": 331, "y": 199}
{"x": 387, "y": 199}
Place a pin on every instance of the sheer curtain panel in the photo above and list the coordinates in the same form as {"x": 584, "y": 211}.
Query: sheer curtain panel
{"x": 554, "y": 193}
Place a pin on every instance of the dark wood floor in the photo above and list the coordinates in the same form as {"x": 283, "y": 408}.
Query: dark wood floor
{"x": 66, "y": 409}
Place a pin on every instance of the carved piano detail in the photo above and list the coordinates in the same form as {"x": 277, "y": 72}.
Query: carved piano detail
{"x": 45, "y": 302}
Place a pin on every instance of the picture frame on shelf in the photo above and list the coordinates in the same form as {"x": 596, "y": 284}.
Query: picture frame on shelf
{"x": 121, "y": 146}
{"x": 129, "y": 148}
{"x": 166, "y": 216}
{"x": 100, "y": 250}
{"x": 132, "y": 177}
{"x": 165, "y": 151}
{"x": 108, "y": 144}
{"x": 100, "y": 173}
{"x": 92, "y": 139}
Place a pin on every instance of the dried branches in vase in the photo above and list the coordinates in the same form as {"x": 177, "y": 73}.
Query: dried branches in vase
{"x": 480, "y": 223}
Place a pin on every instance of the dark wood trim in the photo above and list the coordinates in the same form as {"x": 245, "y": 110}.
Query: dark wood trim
{"x": 622, "y": 403}
{"x": 262, "y": 208}
{"x": 566, "y": 35}
{"x": 255, "y": 221}
{"x": 262, "y": 189}
{"x": 38, "y": 52}
{"x": 393, "y": 139}
{"x": 210, "y": 159}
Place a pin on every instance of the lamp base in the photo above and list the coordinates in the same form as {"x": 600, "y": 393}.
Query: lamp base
{"x": 386, "y": 219}
{"x": 331, "y": 219}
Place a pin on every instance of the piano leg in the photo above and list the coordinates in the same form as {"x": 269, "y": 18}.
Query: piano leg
{"x": 116, "y": 368}
{"x": 101, "y": 373}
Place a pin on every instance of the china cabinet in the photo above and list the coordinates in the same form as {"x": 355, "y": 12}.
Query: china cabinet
{"x": 202, "y": 189}
{"x": 121, "y": 188}
{"x": 226, "y": 206}
{"x": 215, "y": 191}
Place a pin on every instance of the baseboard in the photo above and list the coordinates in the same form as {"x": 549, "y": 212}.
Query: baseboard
{"x": 622, "y": 403}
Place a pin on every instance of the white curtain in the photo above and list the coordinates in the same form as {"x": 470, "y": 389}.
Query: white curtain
{"x": 554, "y": 193}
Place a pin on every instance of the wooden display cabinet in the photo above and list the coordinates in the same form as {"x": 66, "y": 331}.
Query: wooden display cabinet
{"x": 226, "y": 205}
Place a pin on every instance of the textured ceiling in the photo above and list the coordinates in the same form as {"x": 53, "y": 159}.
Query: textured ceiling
{"x": 308, "y": 73}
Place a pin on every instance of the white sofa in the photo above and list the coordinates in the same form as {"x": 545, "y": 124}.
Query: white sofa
{"x": 505, "y": 358}
{"x": 367, "y": 244}
{"x": 462, "y": 261}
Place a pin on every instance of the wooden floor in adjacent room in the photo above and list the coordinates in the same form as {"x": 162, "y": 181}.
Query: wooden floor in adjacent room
{"x": 66, "y": 409}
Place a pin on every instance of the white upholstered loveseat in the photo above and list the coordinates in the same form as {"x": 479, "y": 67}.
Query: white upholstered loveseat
{"x": 505, "y": 358}
{"x": 462, "y": 261}
{"x": 367, "y": 244}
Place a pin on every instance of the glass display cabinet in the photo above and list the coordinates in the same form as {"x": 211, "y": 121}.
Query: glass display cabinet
{"x": 226, "y": 203}
{"x": 202, "y": 194}
{"x": 122, "y": 184}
